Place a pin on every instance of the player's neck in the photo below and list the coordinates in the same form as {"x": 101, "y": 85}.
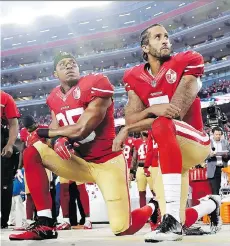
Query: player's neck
{"x": 155, "y": 65}
{"x": 65, "y": 88}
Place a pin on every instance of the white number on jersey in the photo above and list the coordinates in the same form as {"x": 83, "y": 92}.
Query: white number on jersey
{"x": 126, "y": 151}
{"x": 155, "y": 146}
{"x": 68, "y": 120}
{"x": 142, "y": 151}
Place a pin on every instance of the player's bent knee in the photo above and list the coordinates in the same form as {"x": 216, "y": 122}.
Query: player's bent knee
{"x": 162, "y": 127}
{"x": 118, "y": 226}
{"x": 118, "y": 215}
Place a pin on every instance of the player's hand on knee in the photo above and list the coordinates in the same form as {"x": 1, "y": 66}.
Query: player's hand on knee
{"x": 167, "y": 110}
{"x": 62, "y": 147}
{"x": 119, "y": 140}
{"x": 147, "y": 172}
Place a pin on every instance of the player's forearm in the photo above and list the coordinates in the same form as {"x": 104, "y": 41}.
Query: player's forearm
{"x": 73, "y": 131}
{"x": 20, "y": 164}
{"x": 135, "y": 117}
{"x": 142, "y": 125}
{"x": 13, "y": 131}
{"x": 185, "y": 94}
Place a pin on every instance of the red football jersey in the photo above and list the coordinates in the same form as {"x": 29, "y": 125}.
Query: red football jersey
{"x": 24, "y": 134}
{"x": 152, "y": 153}
{"x": 129, "y": 144}
{"x": 9, "y": 109}
{"x": 160, "y": 89}
{"x": 68, "y": 108}
{"x": 141, "y": 148}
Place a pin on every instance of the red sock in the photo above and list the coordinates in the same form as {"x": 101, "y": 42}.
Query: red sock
{"x": 142, "y": 198}
{"x": 139, "y": 217}
{"x": 191, "y": 217}
{"x": 84, "y": 197}
{"x": 164, "y": 133}
{"x": 30, "y": 207}
{"x": 37, "y": 179}
{"x": 64, "y": 199}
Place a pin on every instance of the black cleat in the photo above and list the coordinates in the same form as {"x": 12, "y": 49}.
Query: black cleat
{"x": 169, "y": 230}
{"x": 43, "y": 228}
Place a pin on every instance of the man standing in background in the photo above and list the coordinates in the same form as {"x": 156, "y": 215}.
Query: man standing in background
{"x": 218, "y": 158}
{"x": 9, "y": 153}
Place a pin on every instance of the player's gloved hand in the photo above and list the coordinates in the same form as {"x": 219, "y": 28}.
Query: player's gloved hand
{"x": 62, "y": 147}
{"x": 147, "y": 172}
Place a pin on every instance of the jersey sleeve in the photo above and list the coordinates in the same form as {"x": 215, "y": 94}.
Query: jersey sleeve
{"x": 126, "y": 80}
{"x": 23, "y": 135}
{"x": 195, "y": 64}
{"x": 48, "y": 100}
{"x": 101, "y": 87}
{"x": 11, "y": 110}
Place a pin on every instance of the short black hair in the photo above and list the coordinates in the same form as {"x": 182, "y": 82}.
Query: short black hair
{"x": 62, "y": 55}
{"x": 28, "y": 121}
{"x": 144, "y": 38}
{"x": 218, "y": 129}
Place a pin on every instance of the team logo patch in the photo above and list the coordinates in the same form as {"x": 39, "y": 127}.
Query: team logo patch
{"x": 171, "y": 76}
{"x": 77, "y": 93}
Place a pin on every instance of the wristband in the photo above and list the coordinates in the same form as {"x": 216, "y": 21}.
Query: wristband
{"x": 43, "y": 132}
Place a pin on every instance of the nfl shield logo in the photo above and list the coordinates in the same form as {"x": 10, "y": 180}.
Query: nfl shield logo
{"x": 171, "y": 76}
{"x": 154, "y": 83}
{"x": 77, "y": 93}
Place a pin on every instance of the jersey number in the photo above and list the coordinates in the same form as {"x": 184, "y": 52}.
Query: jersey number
{"x": 155, "y": 146}
{"x": 126, "y": 151}
{"x": 68, "y": 120}
{"x": 142, "y": 151}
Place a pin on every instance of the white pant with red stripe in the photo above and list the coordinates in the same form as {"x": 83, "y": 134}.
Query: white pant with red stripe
{"x": 195, "y": 147}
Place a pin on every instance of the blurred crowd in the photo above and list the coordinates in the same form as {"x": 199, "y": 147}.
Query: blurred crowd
{"x": 46, "y": 119}
{"x": 47, "y": 56}
{"x": 217, "y": 88}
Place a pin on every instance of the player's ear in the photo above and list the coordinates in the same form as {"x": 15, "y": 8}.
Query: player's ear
{"x": 145, "y": 48}
{"x": 55, "y": 74}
